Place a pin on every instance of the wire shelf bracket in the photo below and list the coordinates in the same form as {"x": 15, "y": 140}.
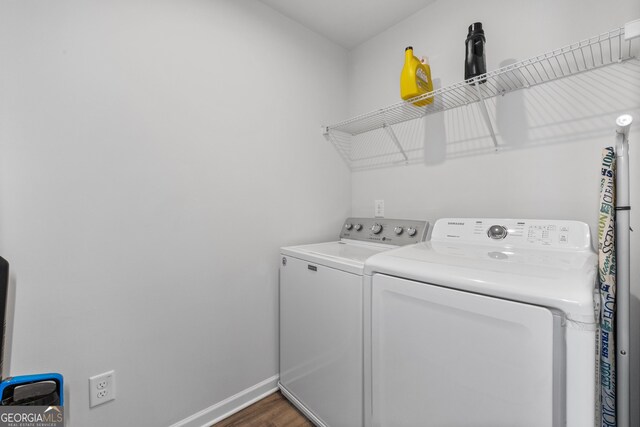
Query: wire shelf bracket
{"x": 485, "y": 115}
{"x": 395, "y": 140}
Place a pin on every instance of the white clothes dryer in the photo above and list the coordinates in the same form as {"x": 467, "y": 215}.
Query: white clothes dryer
{"x": 321, "y": 318}
{"x": 491, "y": 323}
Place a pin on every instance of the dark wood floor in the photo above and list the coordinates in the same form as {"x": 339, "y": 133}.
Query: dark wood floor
{"x": 272, "y": 411}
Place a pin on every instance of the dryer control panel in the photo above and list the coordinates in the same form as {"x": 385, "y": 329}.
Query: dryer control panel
{"x": 525, "y": 233}
{"x": 383, "y": 230}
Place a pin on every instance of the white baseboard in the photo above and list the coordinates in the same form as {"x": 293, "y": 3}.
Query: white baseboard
{"x": 230, "y": 405}
{"x": 294, "y": 400}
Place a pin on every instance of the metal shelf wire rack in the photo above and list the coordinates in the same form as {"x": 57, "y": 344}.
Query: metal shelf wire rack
{"x": 599, "y": 51}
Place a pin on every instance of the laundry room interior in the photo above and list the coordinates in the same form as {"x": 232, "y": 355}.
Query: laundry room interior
{"x": 156, "y": 156}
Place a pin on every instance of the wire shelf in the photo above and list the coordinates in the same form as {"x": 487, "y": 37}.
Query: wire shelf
{"x": 596, "y": 52}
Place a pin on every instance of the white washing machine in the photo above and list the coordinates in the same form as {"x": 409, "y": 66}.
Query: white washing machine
{"x": 490, "y": 324}
{"x": 321, "y": 318}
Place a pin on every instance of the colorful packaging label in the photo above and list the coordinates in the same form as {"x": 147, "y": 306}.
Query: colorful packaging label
{"x": 607, "y": 283}
{"x": 422, "y": 80}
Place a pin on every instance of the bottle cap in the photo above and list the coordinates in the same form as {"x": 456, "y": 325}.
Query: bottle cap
{"x": 475, "y": 29}
{"x": 407, "y": 48}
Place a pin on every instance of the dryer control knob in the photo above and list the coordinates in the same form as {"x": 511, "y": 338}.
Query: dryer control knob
{"x": 398, "y": 230}
{"x": 497, "y": 232}
{"x": 376, "y": 228}
{"x": 411, "y": 231}
{"x": 358, "y": 227}
{"x": 348, "y": 226}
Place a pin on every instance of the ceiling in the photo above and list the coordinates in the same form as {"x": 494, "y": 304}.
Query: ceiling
{"x": 347, "y": 22}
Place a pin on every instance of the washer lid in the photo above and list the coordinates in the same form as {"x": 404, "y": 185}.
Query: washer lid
{"x": 541, "y": 274}
{"x": 347, "y": 256}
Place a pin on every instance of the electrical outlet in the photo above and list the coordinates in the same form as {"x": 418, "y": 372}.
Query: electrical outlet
{"x": 378, "y": 208}
{"x": 102, "y": 388}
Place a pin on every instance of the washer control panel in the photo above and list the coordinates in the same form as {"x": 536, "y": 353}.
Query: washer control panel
{"x": 382, "y": 230}
{"x": 558, "y": 234}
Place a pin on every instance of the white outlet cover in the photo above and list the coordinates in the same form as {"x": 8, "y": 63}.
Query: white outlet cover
{"x": 102, "y": 388}
{"x": 379, "y": 208}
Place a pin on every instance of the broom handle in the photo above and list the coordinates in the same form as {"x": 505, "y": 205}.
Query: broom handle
{"x": 622, "y": 269}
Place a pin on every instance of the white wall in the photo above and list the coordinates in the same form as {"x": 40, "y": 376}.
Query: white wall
{"x": 155, "y": 155}
{"x": 153, "y": 158}
{"x": 553, "y": 135}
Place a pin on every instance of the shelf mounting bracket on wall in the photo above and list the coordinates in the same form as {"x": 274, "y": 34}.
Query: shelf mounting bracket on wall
{"x": 343, "y": 149}
{"x": 485, "y": 115}
{"x": 395, "y": 140}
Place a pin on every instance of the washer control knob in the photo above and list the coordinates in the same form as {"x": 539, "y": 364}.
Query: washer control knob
{"x": 398, "y": 230}
{"x": 497, "y": 232}
{"x": 376, "y": 228}
{"x": 411, "y": 231}
{"x": 348, "y": 226}
{"x": 358, "y": 227}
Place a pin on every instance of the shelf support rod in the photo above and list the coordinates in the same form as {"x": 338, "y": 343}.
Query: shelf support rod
{"x": 394, "y": 138}
{"x": 485, "y": 115}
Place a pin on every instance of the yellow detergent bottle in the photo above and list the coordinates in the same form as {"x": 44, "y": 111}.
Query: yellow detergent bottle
{"x": 415, "y": 78}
